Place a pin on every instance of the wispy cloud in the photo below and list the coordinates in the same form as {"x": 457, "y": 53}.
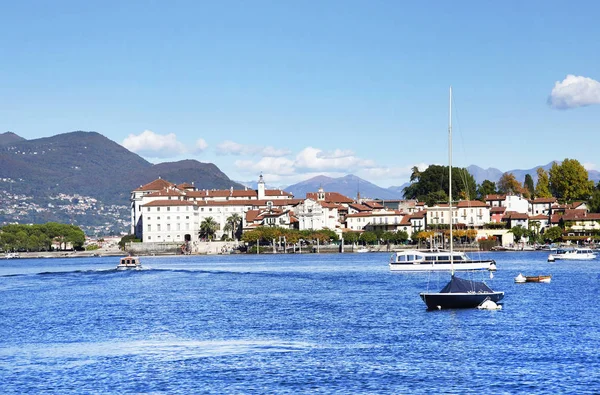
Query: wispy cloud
{"x": 574, "y": 91}
{"x": 311, "y": 158}
{"x": 161, "y": 146}
{"x": 280, "y": 166}
{"x": 154, "y": 144}
{"x": 232, "y": 148}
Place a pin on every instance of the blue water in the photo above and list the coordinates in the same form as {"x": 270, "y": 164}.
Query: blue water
{"x": 339, "y": 323}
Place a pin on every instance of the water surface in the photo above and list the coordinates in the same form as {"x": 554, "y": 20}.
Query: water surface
{"x": 331, "y": 323}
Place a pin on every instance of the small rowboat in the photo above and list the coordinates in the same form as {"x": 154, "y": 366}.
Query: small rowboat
{"x": 532, "y": 279}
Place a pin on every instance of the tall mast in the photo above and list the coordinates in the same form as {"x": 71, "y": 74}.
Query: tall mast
{"x": 450, "y": 183}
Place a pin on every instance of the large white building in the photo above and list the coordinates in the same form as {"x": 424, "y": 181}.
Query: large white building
{"x": 164, "y": 212}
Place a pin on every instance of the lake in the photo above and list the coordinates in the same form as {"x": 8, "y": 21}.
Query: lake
{"x": 328, "y": 323}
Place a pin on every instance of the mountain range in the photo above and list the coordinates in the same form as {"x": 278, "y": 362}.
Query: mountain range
{"x": 89, "y": 164}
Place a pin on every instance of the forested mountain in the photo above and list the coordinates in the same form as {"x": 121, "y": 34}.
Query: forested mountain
{"x": 85, "y": 179}
{"x": 87, "y": 163}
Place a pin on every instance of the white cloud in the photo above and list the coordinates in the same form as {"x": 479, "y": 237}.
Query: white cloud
{"x": 155, "y": 145}
{"x": 232, "y": 148}
{"x": 316, "y": 159}
{"x": 280, "y": 166}
{"x": 201, "y": 145}
{"x": 574, "y": 91}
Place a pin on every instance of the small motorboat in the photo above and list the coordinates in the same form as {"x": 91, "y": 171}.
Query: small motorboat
{"x": 363, "y": 249}
{"x": 129, "y": 263}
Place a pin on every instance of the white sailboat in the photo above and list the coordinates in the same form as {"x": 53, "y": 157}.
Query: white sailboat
{"x": 458, "y": 293}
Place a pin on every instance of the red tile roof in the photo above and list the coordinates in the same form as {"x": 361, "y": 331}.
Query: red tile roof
{"x": 155, "y": 185}
{"x": 544, "y": 200}
{"x": 471, "y": 203}
{"x": 494, "y": 197}
{"x": 332, "y": 197}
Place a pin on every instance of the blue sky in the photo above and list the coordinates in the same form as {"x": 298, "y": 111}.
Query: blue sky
{"x": 298, "y": 89}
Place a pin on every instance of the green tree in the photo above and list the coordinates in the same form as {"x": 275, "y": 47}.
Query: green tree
{"x": 518, "y": 232}
{"x": 400, "y": 236}
{"x": 350, "y": 237}
{"x": 508, "y": 184}
{"x": 435, "y": 178}
{"x": 553, "y": 234}
{"x": 208, "y": 228}
{"x": 487, "y": 187}
{"x": 594, "y": 202}
{"x": 542, "y": 188}
{"x": 368, "y": 237}
{"x": 569, "y": 181}
{"x": 233, "y": 223}
{"x": 436, "y": 197}
{"x": 528, "y": 184}
{"x": 415, "y": 175}
{"x": 75, "y": 236}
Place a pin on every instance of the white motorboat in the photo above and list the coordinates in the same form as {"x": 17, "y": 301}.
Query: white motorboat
{"x": 363, "y": 249}
{"x": 129, "y": 263}
{"x": 576, "y": 254}
{"x": 419, "y": 260}
{"x": 12, "y": 255}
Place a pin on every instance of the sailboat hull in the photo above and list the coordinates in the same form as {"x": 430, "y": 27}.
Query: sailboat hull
{"x": 463, "y": 300}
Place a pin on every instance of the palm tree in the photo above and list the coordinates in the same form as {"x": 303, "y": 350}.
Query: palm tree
{"x": 233, "y": 224}
{"x": 208, "y": 228}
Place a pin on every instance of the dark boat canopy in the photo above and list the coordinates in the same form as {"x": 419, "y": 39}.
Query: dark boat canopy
{"x": 460, "y": 285}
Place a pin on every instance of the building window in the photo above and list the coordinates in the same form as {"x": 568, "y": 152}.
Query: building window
{"x": 158, "y": 228}
{"x": 149, "y": 237}
{"x": 147, "y": 208}
{"x": 168, "y": 227}
{"x": 149, "y": 228}
{"x": 158, "y": 209}
{"x": 168, "y": 208}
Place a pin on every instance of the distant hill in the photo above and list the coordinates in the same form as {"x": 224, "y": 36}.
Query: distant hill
{"x": 348, "y": 185}
{"x": 9, "y": 138}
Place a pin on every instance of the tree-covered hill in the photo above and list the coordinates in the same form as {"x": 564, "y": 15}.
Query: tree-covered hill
{"x": 89, "y": 164}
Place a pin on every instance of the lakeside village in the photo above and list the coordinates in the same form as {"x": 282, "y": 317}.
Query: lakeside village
{"x": 180, "y": 219}
{"x": 166, "y": 217}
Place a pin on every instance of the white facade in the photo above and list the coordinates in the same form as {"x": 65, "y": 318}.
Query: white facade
{"x": 516, "y": 203}
{"x": 388, "y": 220}
{"x": 313, "y": 215}
{"x": 177, "y": 222}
